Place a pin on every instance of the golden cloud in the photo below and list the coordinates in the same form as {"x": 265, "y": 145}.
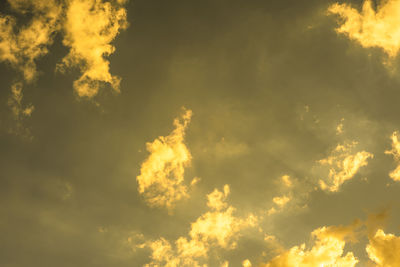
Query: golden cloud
{"x": 343, "y": 165}
{"x": 161, "y": 178}
{"x": 371, "y": 28}
{"x": 395, "y": 174}
{"x": 21, "y": 47}
{"x": 90, "y": 27}
{"x": 328, "y": 249}
{"x": 216, "y": 228}
{"x": 383, "y": 249}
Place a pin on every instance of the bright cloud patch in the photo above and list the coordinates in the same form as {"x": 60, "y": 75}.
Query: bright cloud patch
{"x": 371, "y": 28}
{"x": 343, "y": 165}
{"x": 161, "y": 179}
{"x": 326, "y": 251}
{"x": 90, "y": 27}
{"x": 218, "y": 228}
{"x": 384, "y": 249}
{"x": 395, "y": 174}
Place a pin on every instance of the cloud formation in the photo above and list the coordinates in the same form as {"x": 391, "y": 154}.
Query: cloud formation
{"x": 343, "y": 165}
{"x": 328, "y": 250}
{"x": 395, "y": 174}
{"x": 161, "y": 179}
{"x": 217, "y": 228}
{"x": 371, "y": 28}
{"x": 21, "y": 47}
{"x": 383, "y": 249}
{"x": 90, "y": 27}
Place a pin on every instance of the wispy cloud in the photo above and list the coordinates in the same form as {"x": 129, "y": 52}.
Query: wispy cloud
{"x": 395, "y": 151}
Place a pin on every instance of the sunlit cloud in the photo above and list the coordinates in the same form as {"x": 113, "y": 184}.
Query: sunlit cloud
{"x": 383, "y": 249}
{"x": 90, "y": 27}
{"x": 218, "y": 228}
{"x": 395, "y": 174}
{"x": 328, "y": 250}
{"x": 370, "y": 27}
{"x": 21, "y": 47}
{"x": 343, "y": 165}
{"x": 161, "y": 179}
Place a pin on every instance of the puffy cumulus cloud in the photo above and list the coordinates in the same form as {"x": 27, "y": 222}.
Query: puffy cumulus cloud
{"x": 21, "y": 47}
{"x": 218, "y": 228}
{"x": 328, "y": 250}
{"x": 371, "y": 28}
{"x": 161, "y": 179}
{"x": 90, "y": 27}
{"x": 343, "y": 165}
{"x": 383, "y": 249}
{"x": 286, "y": 180}
{"x": 395, "y": 174}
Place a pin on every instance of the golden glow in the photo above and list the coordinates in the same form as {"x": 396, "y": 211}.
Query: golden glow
{"x": 90, "y": 27}
{"x": 395, "y": 174}
{"x": 343, "y": 165}
{"x": 161, "y": 178}
{"x": 383, "y": 249}
{"x": 371, "y": 28}
{"x": 327, "y": 250}
{"x": 217, "y": 228}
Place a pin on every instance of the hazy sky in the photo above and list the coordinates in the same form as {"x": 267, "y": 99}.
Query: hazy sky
{"x": 199, "y": 133}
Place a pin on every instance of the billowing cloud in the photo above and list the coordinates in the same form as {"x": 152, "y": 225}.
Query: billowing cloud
{"x": 395, "y": 174}
{"x": 371, "y": 28}
{"x": 90, "y": 27}
{"x": 383, "y": 249}
{"x": 217, "y": 228}
{"x": 328, "y": 250}
{"x": 161, "y": 179}
{"x": 343, "y": 165}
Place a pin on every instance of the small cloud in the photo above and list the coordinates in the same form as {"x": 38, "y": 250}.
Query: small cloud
{"x": 395, "y": 151}
{"x": 161, "y": 179}
{"x": 343, "y": 165}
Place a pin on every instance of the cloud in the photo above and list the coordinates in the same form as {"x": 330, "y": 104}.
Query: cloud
{"x": 395, "y": 174}
{"x": 161, "y": 179}
{"x": 22, "y": 47}
{"x": 371, "y": 28}
{"x": 217, "y": 228}
{"x": 343, "y": 165}
{"x": 90, "y": 27}
{"x": 328, "y": 250}
{"x": 384, "y": 249}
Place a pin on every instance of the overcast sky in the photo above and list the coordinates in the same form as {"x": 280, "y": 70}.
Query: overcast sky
{"x": 199, "y": 133}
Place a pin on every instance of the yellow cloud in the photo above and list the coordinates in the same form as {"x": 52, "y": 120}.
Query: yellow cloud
{"x": 384, "y": 249}
{"x": 371, "y": 28}
{"x": 21, "y": 47}
{"x": 161, "y": 178}
{"x": 343, "y": 165}
{"x": 287, "y": 181}
{"x": 90, "y": 27}
{"x": 217, "y": 228}
{"x": 281, "y": 201}
{"x": 246, "y": 263}
{"x": 327, "y": 250}
{"x": 395, "y": 174}
{"x": 216, "y": 199}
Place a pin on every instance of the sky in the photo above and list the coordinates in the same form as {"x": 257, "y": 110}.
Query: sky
{"x": 199, "y": 133}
